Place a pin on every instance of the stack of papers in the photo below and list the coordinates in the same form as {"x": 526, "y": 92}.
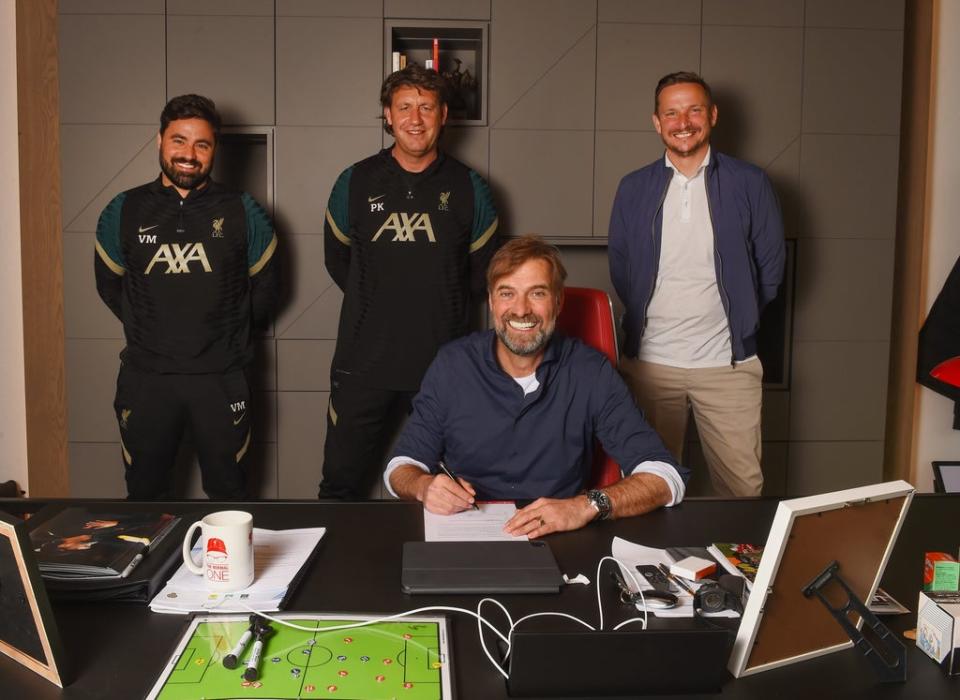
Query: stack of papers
{"x": 278, "y": 558}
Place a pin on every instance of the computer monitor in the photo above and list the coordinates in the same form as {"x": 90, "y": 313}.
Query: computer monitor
{"x": 856, "y": 528}
{"x": 946, "y": 477}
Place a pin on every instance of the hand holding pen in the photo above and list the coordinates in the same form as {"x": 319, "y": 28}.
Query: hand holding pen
{"x": 467, "y": 492}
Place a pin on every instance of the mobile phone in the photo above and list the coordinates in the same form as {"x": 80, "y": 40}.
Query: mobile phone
{"x": 656, "y": 578}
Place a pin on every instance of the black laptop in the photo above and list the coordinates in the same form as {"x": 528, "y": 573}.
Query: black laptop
{"x": 620, "y": 663}
{"x": 479, "y": 567}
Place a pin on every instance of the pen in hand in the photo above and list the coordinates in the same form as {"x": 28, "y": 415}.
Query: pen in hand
{"x": 445, "y": 470}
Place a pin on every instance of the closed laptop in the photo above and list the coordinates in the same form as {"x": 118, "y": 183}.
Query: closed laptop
{"x": 617, "y": 663}
{"x": 479, "y": 567}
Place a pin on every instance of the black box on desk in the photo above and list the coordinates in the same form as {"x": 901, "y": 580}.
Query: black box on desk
{"x": 938, "y": 628}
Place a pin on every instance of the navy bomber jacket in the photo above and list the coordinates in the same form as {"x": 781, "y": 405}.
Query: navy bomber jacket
{"x": 748, "y": 245}
{"x": 475, "y": 417}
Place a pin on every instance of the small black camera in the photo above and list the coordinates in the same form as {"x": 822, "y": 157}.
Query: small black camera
{"x": 717, "y": 596}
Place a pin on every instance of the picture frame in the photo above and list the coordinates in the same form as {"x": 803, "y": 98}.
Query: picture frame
{"x": 28, "y": 630}
{"x": 946, "y": 477}
{"x": 856, "y": 528}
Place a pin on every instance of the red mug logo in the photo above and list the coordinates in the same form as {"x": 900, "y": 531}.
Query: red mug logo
{"x": 218, "y": 568}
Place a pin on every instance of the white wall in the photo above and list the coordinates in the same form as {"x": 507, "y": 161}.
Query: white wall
{"x": 936, "y": 440}
{"x": 13, "y": 423}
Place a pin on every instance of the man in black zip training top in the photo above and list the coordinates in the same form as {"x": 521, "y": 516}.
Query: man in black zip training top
{"x": 407, "y": 237}
{"x": 696, "y": 251}
{"x": 189, "y": 267}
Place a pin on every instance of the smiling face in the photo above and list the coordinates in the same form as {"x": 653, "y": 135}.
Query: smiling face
{"x": 684, "y": 120}
{"x": 416, "y": 117}
{"x": 186, "y": 154}
{"x": 524, "y": 307}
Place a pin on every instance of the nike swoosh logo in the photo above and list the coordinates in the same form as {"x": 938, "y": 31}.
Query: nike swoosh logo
{"x": 242, "y": 416}
{"x": 148, "y": 228}
{"x": 374, "y": 199}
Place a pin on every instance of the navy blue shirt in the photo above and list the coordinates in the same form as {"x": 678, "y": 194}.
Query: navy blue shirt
{"x": 475, "y": 417}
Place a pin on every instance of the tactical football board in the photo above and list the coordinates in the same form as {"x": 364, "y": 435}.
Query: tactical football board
{"x": 407, "y": 658}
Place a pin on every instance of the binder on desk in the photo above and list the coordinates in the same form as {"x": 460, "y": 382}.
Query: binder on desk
{"x": 479, "y": 567}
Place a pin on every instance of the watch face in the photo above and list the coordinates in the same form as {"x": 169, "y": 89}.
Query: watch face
{"x": 601, "y": 502}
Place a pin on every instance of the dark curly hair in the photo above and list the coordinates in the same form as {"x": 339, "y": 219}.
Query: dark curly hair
{"x": 191, "y": 107}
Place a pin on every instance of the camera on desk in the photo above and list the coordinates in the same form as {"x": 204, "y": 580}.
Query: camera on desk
{"x": 726, "y": 593}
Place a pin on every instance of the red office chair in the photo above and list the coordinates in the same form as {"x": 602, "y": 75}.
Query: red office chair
{"x": 587, "y": 314}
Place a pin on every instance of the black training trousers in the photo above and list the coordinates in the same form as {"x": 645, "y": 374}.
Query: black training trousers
{"x": 154, "y": 410}
{"x": 361, "y": 423}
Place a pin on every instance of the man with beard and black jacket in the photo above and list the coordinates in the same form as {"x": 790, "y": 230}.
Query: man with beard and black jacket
{"x": 189, "y": 268}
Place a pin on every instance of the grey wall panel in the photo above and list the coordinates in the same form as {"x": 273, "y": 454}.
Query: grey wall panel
{"x": 533, "y": 171}
{"x": 96, "y": 470}
{"x": 649, "y": 11}
{"x": 552, "y": 102}
{"x": 124, "y": 7}
{"x": 864, "y": 14}
{"x": 618, "y": 153}
{"x": 265, "y": 417}
{"x": 775, "y": 421}
{"x": 311, "y": 84}
{"x": 330, "y": 8}
{"x": 437, "y": 9}
{"x": 784, "y": 172}
{"x": 838, "y": 390}
{"x": 526, "y": 40}
{"x": 84, "y": 313}
{"x": 92, "y": 155}
{"x": 846, "y": 68}
{"x": 755, "y": 13}
{"x": 631, "y": 58}
{"x": 111, "y": 69}
{"x": 849, "y": 186}
{"x": 142, "y": 167}
{"x": 303, "y": 429}
{"x": 309, "y": 160}
{"x": 844, "y": 289}
{"x": 313, "y": 307}
{"x": 819, "y": 467}
{"x": 755, "y": 73}
{"x": 587, "y": 267}
{"x": 469, "y": 145}
{"x": 229, "y": 59}
{"x": 304, "y": 365}
{"x": 230, "y": 8}
{"x": 92, "y": 366}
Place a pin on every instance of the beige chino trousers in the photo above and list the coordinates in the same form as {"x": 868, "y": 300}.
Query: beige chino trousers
{"x": 726, "y": 403}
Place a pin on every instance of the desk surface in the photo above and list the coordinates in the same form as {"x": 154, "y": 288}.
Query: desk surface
{"x": 118, "y": 651}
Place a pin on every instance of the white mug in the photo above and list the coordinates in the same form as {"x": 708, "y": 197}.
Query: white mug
{"x": 226, "y": 550}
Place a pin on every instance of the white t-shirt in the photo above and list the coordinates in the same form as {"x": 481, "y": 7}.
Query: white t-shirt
{"x": 686, "y": 323}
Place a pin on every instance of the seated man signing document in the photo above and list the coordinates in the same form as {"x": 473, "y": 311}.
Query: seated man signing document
{"x": 512, "y": 413}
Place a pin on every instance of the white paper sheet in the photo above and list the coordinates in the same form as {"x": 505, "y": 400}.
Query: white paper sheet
{"x": 278, "y": 555}
{"x": 484, "y": 525}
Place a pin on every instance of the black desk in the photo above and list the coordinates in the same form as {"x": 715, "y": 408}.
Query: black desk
{"x": 118, "y": 651}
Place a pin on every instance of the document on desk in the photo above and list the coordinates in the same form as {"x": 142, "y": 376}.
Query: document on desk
{"x": 483, "y": 525}
{"x": 278, "y": 557}
{"x": 633, "y": 555}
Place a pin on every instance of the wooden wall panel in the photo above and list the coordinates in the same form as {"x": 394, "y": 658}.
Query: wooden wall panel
{"x": 41, "y": 246}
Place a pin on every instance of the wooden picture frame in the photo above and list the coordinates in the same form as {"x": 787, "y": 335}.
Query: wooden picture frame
{"x": 856, "y": 528}
{"x": 28, "y": 631}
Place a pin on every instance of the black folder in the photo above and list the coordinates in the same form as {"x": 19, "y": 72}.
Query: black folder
{"x": 479, "y": 567}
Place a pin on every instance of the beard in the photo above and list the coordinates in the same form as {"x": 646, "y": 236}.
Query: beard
{"x": 187, "y": 181}
{"x": 529, "y": 346}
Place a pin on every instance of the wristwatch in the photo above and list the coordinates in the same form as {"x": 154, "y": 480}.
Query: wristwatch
{"x": 601, "y": 501}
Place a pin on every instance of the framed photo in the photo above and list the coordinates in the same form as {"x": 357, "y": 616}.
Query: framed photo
{"x": 946, "y": 477}
{"x": 856, "y": 528}
{"x": 28, "y": 632}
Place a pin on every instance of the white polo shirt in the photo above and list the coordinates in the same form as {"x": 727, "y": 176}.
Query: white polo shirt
{"x": 686, "y": 324}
